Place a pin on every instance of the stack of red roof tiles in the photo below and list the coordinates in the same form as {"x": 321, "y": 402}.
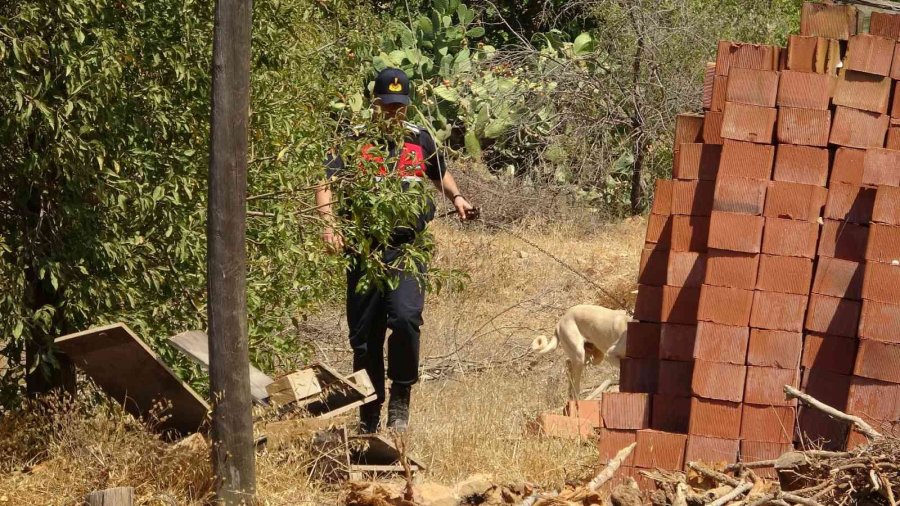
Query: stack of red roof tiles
{"x": 773, "y": 256}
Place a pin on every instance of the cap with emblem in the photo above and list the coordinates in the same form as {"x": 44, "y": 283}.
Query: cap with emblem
{"x": 392, "y": 87}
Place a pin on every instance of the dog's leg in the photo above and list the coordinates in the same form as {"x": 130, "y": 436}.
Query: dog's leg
{"x": 575, "y": 370}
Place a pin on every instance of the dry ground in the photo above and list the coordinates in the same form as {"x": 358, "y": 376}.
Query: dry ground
{"x": 480, "y": 388}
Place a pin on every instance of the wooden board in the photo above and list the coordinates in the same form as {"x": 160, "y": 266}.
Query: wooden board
{"x": 129, "y": 372}
{"x": 195, "y": 344}
{"x": 374, "y": 452}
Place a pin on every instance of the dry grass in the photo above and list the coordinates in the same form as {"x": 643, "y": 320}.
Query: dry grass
{"x": 464, "y": 422}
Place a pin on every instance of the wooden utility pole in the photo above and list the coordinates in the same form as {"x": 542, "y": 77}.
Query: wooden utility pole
{"x": 229, "y": 373}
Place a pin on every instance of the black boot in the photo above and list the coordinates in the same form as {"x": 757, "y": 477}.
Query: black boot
{"x": 398, "y": 408}
{"x": 369, "y": 418}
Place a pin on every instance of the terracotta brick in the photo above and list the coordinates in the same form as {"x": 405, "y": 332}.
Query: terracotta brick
{"x": 818, "y": 430}
{"x": 659, "y": 230}
{"x": 688, "y": 129}
{"x": 893, "y": 136}
{"x": 752, "y": 87}
{"x": 715, "y": 418}
{"x": 794, "y": 201}
{"x": 826, "y": 386}
{"x": 686, "y": 268}
{"x": 881, "y": 167}
{"x": 662, "y": 450}
{"x": 833, "y": 51}
{"x": 838, "y": 278}
{"x": 771, "y": 424}
{"x": 670, "y": 413}
{"x": 662, "y": 197}
{"x": 709, "y": 80}
{"x": 612, "y": 440}
{"x": 692, "y": 198}
{"x": 801, "y": 164}
{"x": 675, "y": 378}
{"x": 853, "y": 204}
{"x": 638, "y": 375}
{"x": 643, "y": 340}
{"x": 644, "y": 482}
{"x": 829, "y": 353}
{"x": 883, "y": 245}
{"x": 758, "y": 451}
{"x": 739, "y": 195}
{"x": 728, "y": 306}
{"x": 878, "y": 320}
{"x": 859, "y": 90}
{"x": 588, "y": 410}
{"x": 784, "y": 274}
{"x": 653, "y": 268}
{"x": 829, "y": 21}
{"x": 802, "y": 52}
{"x": 561, "y": 426}
{"x": 719, "y": 92}
{"x": 778, "y": 311}
{"x": 887, "y": 206}
{"x": 698, "y": 161}
{"x": 721, "y": 343}
{"x": 790, "y": 238}
{"x": 873, "y": 400}
{"x": 749, "y": 123}
{"x": 677, "y": 342}
{"x": 746, "y": 159}
{"x": 712, "y": 127}
{"x": 881, "y": 283}
{"x": 731, "y": 269}
{"x": 843, "y": 240}
{"x": 680, "y": 304}
{"x": 831, "y": 315}
{"x": 735, "y": 232}
{"x": 870, "y": 53}
{"x": 649, "y": 303}
{"x": 714, "y": 380}
{"x": 747, "y": 56}
{"x": 712, "y": 450}
{"x": 855, "y": 439}
{"x": 848, "y": 166}
{"x": 690, "y": 233}
{"x": 804, "y": 90}
{"x": 622, "y": 410}
{"x": 765, "y": 385}
{"x": 775, "y": 348}
{"x": 884, "y": 24}
{"x": 806, "y": 127}
{"x": 895, "y": 65}
{"x": 858, "y": 129}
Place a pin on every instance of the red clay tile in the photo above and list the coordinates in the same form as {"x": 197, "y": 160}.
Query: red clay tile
{"x": 806, "y": 127}
{"x": 829, "y": 353}
{"x": 843, "y": 240}
{"x": 794, "y": 201}
{"x": 728, "y": 306}
{"x": 878, "y": 360}
{"x": 801, "y": 164}
{"x": 784, "y": 274}
{"x": 731, "y": 269}
{"x": 771, "y": 424}
{"x": 833, "y": 54}
{"x": 712, "y": 127}
{"x": 677, "y": 342}
{"x": 739, "y": 195}
{"x": 688, "y": 129}
{"x": 829, "y": 387}
{"x": 747, "y": 56}
{"x": 662, "y": 450}
{"x": 858, "y": 129}
{"x": 804, "y": 90}
{"x": 649, "y": 303}
{"x": 895, "y": 103}
{"x": 758, "y": 451}
{"x": 895, "y": 65}
{"x": 881, "y": 167}
{"x": 719, "y": 91}
{"x": 709, "y": 80}
{"x": 680, "y": 304}
{"x": 662, "y": 197}
{"x": 735, "y": 232}
{"x": 883, "y": 244}
{"x": 670, "y": 413}
{"x": 831, "y": 315}
{"x": 873, "y": 400}
{"x": 643, "y": 340}
{"x": 675, "y": 378}
{"x": 749, "y": 123}
{"x": 878, "y": 320}
{"x": 829, "y": 21}
{"x": 622, "y": 410}
{"x": 561, "y": 426}
{"x": 881, "y": 283}
{"x": 698, "y": 161}
{"x": 690, "y": 233}
{"x": 790, "y": 238}
{"x": 853, "y": 204}
{"x": 659, "y": 230}
{"x": 775, "y": 348}
{"x": 612, "y": 440}
{"x": 721, "y": 343}
{"x": 778, "y": 311}
{"x": 644, "y": 482}
{"x": 870, "y": 53}
{"x": 803, "y": 55}
{"x": 715, "y": 418}
{"x": 752, "y": 87}
{"x": 884, "y": 24}
{"x": 686, "y": 268}
{"x": 711, "y": 450}
{"x": 855, "y": 439}
{"x": 838, "y": 278}
{"x": 638, "y": 375}
{"x": 818, "y": 430}
{"x": 765, "y": 385}
{"x": 848, "y": 166}
{"x": 588, "y": 410}
{"x": 746, "y": 159}
{"x": 887, "y": 206}
{"x": 653, "y": 268}
{"x": 714, "y": 380}
{"x": 692, "y": 198}
{"x": 863, "y": 91}
{"x": 893, "y": 135}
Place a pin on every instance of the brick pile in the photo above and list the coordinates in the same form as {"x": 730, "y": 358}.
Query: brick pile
{"x": 772, "y": 257}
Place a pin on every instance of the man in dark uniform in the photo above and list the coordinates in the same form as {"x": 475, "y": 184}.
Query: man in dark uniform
{"x": 372, "y": 311}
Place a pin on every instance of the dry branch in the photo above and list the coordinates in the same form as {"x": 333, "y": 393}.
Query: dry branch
{"x": 862, "y": 426}
{"x": 611, "y": 468}
{"x": 734, "y": 494}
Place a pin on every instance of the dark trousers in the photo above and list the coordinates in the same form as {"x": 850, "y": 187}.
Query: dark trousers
{"x": 370, "y": 314}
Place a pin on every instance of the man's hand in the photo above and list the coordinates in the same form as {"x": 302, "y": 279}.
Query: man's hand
{"x": 462, "y": 205}
{"x": 333, "y": 240}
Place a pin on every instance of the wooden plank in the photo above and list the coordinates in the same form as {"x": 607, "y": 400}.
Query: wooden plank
{"x": 132, "y": 374}
{"x": 195, "y": 344}
{"x": 886, "y": 5}
{"x": 374, "y": 452}
{"x": 294, "y": 387}
{"x": 119, "y": 496}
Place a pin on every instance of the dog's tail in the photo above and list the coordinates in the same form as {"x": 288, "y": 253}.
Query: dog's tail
{"x": 542, "y": 344}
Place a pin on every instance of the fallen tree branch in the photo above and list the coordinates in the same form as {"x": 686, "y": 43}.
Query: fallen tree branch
{"x": 724, "y": 478}
{"x": 800, "y": 500}
{"x": 734, "y": 494}
{"x": 766, "y": 499}
{"x": 607, "y": 473}
{"x": 792, "y": 393}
